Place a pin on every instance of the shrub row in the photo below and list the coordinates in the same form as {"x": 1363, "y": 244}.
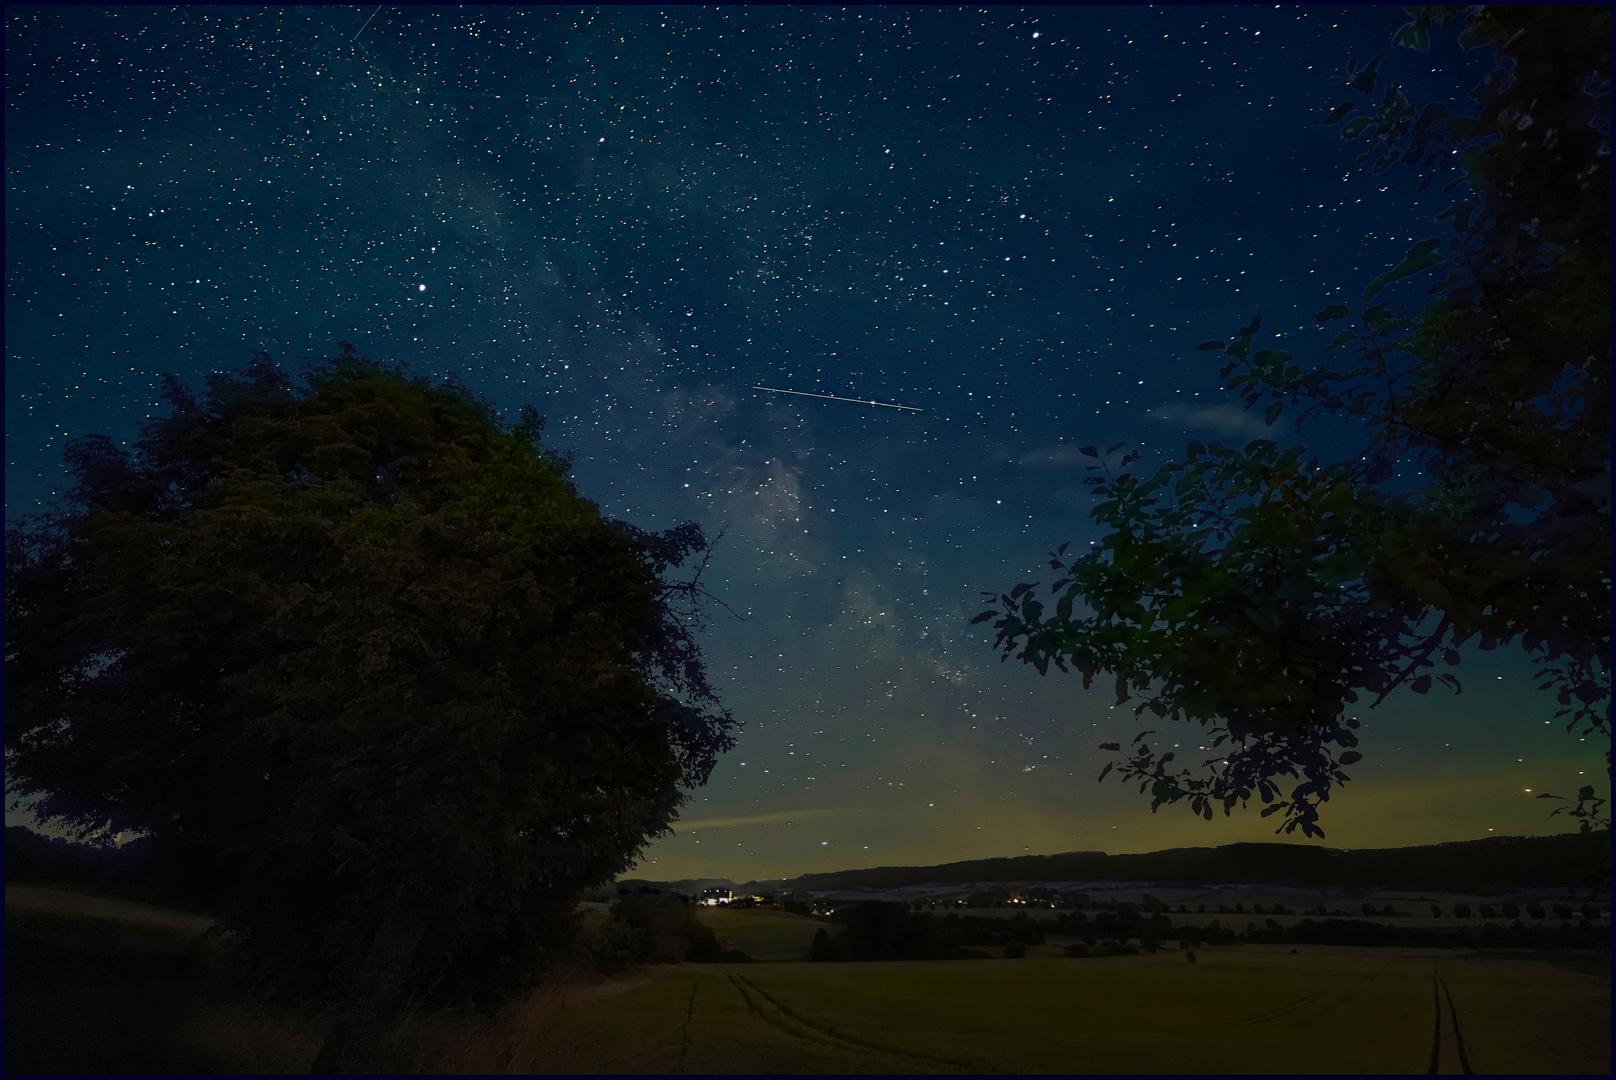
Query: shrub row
{"x": 654, "y": 929}
{"x": 892, "y": 931}
{"x": 878, "y": 930}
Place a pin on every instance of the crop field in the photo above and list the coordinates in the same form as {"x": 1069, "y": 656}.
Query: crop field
{"x": 107, "y": 986}
{"x": 762, "y": 933}
{"x": 1237, "y": 1010}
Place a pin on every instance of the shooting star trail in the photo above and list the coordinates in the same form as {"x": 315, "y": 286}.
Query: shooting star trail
{"x": 361, "y": 30}
{"x": 833, "y": 397}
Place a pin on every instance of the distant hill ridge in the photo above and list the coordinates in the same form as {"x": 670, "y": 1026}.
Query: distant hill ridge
{"x": 1485, "y": 866}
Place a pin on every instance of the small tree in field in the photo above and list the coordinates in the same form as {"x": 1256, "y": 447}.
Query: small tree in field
{"x": 367, "y": 668}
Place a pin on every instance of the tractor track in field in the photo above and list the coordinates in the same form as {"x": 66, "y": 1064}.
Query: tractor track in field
{"x": 690, "y": 1015}
{"x": 1443, "y": 1060}
{"x": 1284, "y": 1010}
{"x": 798, "y": 1025}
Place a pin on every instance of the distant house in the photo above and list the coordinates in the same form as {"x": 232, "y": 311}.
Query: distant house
{"x": 714, "y": 896}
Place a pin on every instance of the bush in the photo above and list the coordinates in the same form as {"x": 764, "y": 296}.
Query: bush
{"x": 660, "y": 929}
{"x": 1109, "y": 948}
{"x": 1015, "y": 950}
{"x": 826, "y": 948}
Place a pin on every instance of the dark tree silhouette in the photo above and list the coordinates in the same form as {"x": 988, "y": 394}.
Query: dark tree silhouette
{"x": 363, "y": 663}
{"x": 1259, "y": 593}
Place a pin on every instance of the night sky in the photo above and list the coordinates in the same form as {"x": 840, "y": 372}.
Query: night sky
{"x": 1015, "y": 222}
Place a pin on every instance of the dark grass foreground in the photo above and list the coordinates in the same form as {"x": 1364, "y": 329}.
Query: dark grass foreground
{"x": 111, "y": 986}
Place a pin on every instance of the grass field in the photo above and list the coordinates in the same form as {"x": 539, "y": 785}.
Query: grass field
{"x": 1236, "y": 1010}
{"x": 102, "y": 985}
{"x": 762, "y": 933}
{"x": 97, "y": 985}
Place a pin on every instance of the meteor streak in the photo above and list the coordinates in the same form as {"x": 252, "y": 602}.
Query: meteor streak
{"x": 833, "y": 397}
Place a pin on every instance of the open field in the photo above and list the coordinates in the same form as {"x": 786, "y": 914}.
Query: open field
{"x": 107, "y": 986}
{"x": 102, "y": 985}
{"x": 44, "y": 900}
{"x": 1237, "y": 1010}
{"x": 763, "y": 933}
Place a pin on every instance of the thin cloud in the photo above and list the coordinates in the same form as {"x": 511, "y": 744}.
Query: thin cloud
{"x": 1058, "y": 456}
{"x": 779, "y": 817}
{"x": 1223, "y": 419}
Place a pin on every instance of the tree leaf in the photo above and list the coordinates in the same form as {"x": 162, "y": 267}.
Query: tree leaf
{"x": 1419, "y": 257}
{"x": 1413, "y": 35}
{"x": 1364, "y": 81}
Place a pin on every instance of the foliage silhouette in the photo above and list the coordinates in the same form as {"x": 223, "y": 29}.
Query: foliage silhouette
{"x": 359, "y": 659}
{"x": 1260, "y": 593}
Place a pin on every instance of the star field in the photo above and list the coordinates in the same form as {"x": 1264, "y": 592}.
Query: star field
{"x": 1019, "y": 222}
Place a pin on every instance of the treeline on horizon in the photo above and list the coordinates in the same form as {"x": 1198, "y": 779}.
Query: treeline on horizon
{"x": 1488, "y": 866}
{"x": 889, "y": 930}
{"x": 1484, "y": 867}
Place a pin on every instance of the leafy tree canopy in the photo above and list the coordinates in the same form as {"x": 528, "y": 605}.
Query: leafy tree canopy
{"x": 365, "y": 665}
{"x": 1260, "y": 592}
